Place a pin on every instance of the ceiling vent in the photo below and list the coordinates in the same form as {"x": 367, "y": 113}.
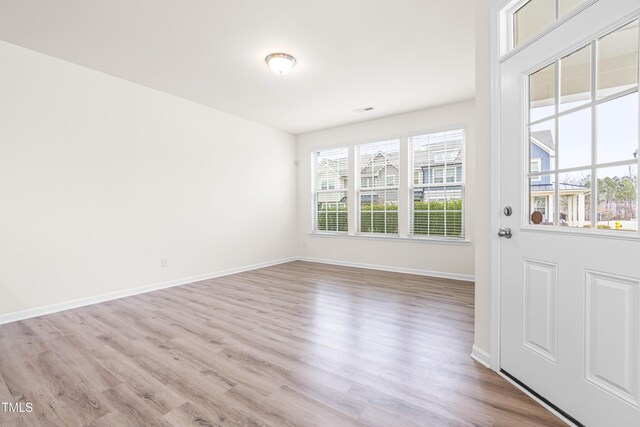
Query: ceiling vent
{"x": 362, "y": 110}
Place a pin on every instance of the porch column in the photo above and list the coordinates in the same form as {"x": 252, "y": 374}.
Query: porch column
{"x": 581, "y": 210}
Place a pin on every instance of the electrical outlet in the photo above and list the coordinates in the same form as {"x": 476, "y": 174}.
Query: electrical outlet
{"x": 164, "y": 262}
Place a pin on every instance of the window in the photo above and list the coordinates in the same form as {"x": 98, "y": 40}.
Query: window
{"x": 330, "y": 169}
{"x": 378, "y": 164}
{"x": 430, "y": 179}
{"x": 438, "y": 176}
{"x": 536, "y": 165}
{"x": 438, "y": 190}
{"x": 529, "y": 18}
{"x": 540, "y": 205}
{"x": 584, "y": 105}
{"x": 328, "y": 184}
{"x": 445, "y": 156}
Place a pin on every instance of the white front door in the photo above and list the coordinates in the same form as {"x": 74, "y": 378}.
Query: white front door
{"x": 570, "y": 273}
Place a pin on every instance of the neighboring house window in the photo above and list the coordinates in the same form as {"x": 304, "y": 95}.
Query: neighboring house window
{"x": 536, "y": 166}
{"x": 379, "y": 167}
{"x": 445, "y": 156}
{"x": 438, "y": 176}
{"x": 438, "y": 202}
{"x": 328, "y": 184}
{"x": 451, "y": 174}
{"x": 540, "y": 205}
{"x": 330, "y": 171}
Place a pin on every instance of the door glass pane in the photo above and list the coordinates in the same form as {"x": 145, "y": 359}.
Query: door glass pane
{"x": 531, "y": 18}
{"x": 618, "y": 198}
{"x": 565, "y": 6}
{"x": 575, "y": 79}
{"x": 542, "y": 93}
{"x": 542, "y": 146}
{"x": 574, "y": 139}
{"x": 575, "y": 198}
{"x": 617, "y": 125}
{"x": 541, "y": 200}
{"x": 618, "y": 60}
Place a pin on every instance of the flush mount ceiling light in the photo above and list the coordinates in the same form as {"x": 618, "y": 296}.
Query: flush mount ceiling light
{"x": 280, "y": 63}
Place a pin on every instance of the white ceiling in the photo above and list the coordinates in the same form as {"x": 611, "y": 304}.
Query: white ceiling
{"x": 393, "y": 55}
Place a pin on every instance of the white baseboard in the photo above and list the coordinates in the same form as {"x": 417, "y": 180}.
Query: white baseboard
{"x": 540, "y": 402}
{"x": 81, "y": 302}
{"x": 481, "y": 356}
{"x": 417, "y": 271}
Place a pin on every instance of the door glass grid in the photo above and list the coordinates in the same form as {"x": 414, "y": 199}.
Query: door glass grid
{"x": 583, "y": 137}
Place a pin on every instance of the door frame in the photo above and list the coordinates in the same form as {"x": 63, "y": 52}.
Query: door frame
{"x": 498, "y": 27}
{"x": 497, "y": 39}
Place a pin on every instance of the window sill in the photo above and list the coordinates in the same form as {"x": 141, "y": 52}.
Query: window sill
{"x": 424, "y": 240}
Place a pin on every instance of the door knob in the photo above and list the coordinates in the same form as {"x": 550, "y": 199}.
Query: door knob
{"x": 505, "y": 232}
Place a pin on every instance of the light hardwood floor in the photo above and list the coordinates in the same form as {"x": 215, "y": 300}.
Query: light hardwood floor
{"x": 297, "y": 344}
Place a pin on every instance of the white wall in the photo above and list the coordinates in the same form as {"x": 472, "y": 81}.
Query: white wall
{"x": 449, "y": 259}
{"x": 101, "y": 178}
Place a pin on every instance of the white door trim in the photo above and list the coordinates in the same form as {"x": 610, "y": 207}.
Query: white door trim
{"x": 496, "y": 8}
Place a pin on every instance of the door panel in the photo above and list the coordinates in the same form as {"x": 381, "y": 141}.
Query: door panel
{"x": 612, "y": 353}
{"x": 539, "y": 308}
{"x": 570, "y": 286}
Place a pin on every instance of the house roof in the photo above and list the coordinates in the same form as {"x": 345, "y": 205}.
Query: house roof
{"x": 338, "y": 167}
{"x": 563, "y": 187}
{"x": 425, "y": 158}
{"x": 378, "y": 162}
{"x": 544, "y": 139}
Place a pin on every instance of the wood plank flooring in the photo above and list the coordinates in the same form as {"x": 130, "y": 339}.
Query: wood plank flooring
{"x": 299, "y": 344}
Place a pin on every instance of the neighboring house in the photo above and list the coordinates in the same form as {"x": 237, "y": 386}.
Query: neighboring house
{"x": 380, "y": 170}
{"x": 437, "y": 167}
{"x": 574, "y": 197}
{"x": 377, "y": 171}
{"x": 331, "y": 175}
{"x": 543, "y": 150}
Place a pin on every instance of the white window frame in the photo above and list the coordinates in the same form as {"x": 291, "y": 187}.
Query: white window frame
{"x": 374, "y": 188}
{"x": 403, "y": 185}
{"x": 315, "y": 192}
{"x": 432, "y": 183}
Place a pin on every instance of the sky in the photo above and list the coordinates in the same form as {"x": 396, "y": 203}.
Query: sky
{"x": 616, "y": 132}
